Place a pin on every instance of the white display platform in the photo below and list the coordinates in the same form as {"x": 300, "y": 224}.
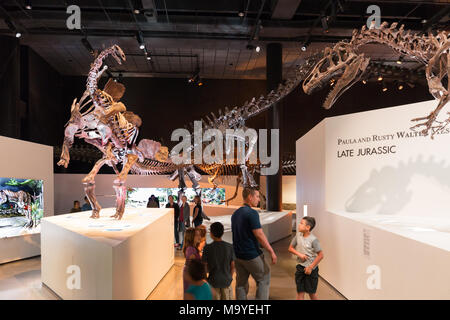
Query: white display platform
{"x": 213, "y": 210}
{"x": 382, "y": 217}
{"x": 276, "y": 225}
{"x": 117, "y": 259}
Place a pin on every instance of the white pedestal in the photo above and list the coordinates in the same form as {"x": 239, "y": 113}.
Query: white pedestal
{"x": 117, "y": 259}
{"x": 275, "y": 224}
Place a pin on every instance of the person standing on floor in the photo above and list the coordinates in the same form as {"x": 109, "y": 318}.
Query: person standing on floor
{"x": 153, "y": 202}
{"x": 247, "y": 238}
{"x": 201, "y": 233}
{"x": 219, "y": 258}
{"x": 184, "y": 220}
{"x": 197, "y": 217}
{"x": 309, "y": 253}
{"x": 199, "y": 288}
{"x": 176, "y": 210}
{"x": 190, "y": 251}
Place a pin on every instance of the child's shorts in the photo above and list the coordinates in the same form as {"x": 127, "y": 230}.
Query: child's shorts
{"x": 306, "y": 283}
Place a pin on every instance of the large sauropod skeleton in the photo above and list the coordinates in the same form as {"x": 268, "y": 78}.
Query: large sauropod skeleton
{"x": 345, "y": 62}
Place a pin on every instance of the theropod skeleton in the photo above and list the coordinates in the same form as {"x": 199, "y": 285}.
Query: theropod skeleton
{"x": 345, "y": 62}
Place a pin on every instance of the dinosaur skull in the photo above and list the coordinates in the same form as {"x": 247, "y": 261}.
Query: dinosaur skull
{"x": 118, "y": 54}
{"x": 339, "y": 62}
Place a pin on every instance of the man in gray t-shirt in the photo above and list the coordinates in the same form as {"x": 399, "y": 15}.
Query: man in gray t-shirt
{"x": 309, "y": 253}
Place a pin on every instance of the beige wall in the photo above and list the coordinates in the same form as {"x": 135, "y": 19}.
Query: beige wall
{"x": 26, "y": 160}
{"x": 68, "y": 187}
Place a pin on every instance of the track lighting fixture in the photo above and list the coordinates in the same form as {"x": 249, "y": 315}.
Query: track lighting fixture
{"x": 140, "y": 39}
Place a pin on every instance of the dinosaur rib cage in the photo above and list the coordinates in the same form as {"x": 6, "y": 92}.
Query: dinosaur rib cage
{"x": 153, "y": 167}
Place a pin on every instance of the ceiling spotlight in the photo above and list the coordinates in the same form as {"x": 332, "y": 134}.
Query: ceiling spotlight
{"x": 28, "y": 4}
{"x": 364, "y": 81}
{"x": 241, "y": 14}
{"x": 380, "y": 78}
{"x": 136, "y": 11}
{"x": 140, "y": 39}
{"x": 399, "y": 60}
{"x": 18, "y": 34}
{"x": 149, "y": 58}
{"x": 200, "y": 82}
{"x": 258, "y": 49}
{"x": 384, "y": 87}
{"x": 400, "y": 87}
{"x": 424, "y": 21}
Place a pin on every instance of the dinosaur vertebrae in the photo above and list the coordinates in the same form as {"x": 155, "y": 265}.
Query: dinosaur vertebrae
{"x": 236, "y": 117}
{"x": 419, "y": 47}
{"x": 93, "y": 74}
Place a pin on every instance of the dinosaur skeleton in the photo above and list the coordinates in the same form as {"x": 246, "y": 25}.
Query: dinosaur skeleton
{"x": 107, "y": 125}
{"x": 104, "y": 122}
{"x": 344, "y": 61}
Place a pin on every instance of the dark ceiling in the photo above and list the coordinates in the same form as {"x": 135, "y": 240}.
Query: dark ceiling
{"x": 213, "y": 36}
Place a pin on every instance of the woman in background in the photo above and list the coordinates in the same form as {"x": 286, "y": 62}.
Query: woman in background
{"x": 197, "y": 217}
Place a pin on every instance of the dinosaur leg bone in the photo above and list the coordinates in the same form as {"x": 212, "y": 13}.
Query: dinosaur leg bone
{"x": 238, "y": 182}
{"x": 89, "y": 188}
{"x": 119, "y": 185}
{"x": 431, "y": 118}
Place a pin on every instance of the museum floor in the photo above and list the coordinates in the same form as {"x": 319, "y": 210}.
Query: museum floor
{"x": 22, "y": 280}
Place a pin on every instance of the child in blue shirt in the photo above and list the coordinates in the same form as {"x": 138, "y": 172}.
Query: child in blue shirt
{"x": 199, "y": 288}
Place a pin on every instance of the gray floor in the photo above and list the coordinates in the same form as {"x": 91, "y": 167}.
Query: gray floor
{"x": 22, "y": 280}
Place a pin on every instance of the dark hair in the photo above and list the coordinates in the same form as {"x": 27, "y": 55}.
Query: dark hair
{"x": 76, "y": 201}
{"x": 248, "y": 191}
{"x": 216, "y": 229}
{"x": 196, "y": 269}
{"x": 310, "y": 221}
{"x": 170, "y": 196}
